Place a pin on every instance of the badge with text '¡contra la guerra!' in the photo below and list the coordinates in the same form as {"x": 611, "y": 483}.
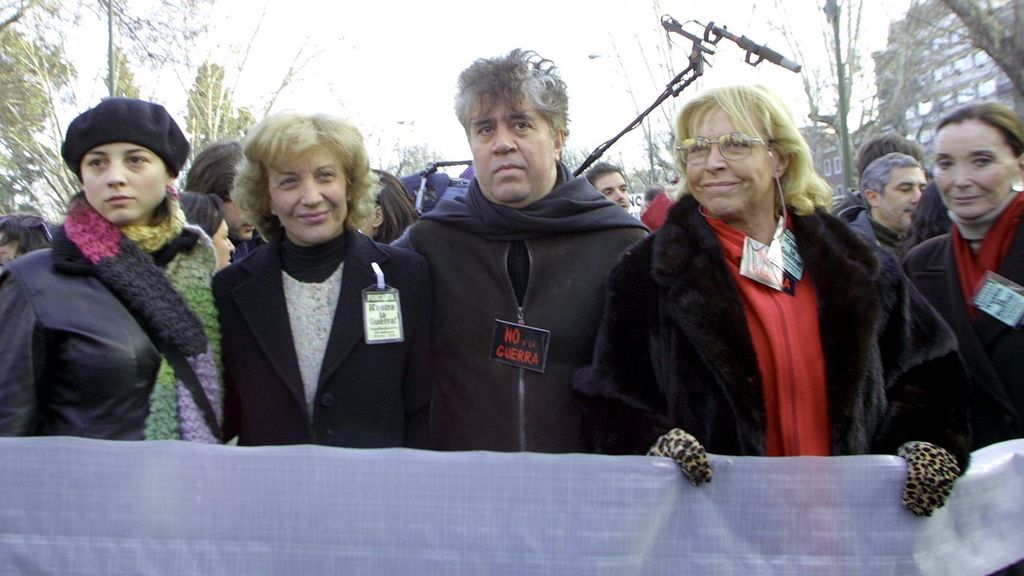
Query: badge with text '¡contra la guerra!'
{"x": 382, "y": 312}
{"x": 520, "y": 345}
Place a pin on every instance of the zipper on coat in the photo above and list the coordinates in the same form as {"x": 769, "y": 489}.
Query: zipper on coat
{"x": 522, "y": 392}
{"x": 521, "y": 319}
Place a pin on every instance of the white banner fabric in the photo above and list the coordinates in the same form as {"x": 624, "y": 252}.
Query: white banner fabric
{"x": 73, "y": 506}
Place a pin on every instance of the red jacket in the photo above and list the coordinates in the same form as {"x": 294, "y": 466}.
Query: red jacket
{"x": 654, "y": 215}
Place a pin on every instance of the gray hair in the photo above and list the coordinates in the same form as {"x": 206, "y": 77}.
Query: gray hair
{"x": 512, "y": 79}
{"x": 876, "y": 176}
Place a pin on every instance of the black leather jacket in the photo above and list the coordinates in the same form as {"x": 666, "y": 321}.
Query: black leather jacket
{"x": 74, "y": 360}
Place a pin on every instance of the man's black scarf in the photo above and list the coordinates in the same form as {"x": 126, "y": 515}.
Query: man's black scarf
{"x": 572, "y": 206}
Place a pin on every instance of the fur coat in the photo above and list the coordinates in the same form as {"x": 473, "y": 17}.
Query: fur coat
{"x": 674, "y": 349}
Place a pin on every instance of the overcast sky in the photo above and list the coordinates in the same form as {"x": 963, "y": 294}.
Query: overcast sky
{"x": 391, "y": 65}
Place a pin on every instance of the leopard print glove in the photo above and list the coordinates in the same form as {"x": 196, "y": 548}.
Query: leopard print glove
{"x": 931, "y": 472}
{"x": 687, "y": 452}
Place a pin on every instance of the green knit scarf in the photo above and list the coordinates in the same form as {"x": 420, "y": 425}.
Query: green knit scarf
{"x": 190, "y": 273}
{"x": 176, "y": 303}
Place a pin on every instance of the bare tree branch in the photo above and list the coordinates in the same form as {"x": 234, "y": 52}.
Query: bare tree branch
{"x": 999, "y": 37}
{"x": 296, "y": 66}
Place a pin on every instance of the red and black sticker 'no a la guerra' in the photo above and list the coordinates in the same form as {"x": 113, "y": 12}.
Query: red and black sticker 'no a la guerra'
{"x": 520, "y": 345}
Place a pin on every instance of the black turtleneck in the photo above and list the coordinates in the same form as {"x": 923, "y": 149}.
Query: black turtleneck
{"x": 313, "y": 263}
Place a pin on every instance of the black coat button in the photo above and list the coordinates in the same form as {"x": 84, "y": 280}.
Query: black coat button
{"x": 327, "y": 399}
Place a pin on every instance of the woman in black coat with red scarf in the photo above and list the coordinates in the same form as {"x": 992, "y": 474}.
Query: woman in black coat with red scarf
{"x": 974, "y": 275}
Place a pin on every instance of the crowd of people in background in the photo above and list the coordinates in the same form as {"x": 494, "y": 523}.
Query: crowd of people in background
{"x": 290, "y": 294}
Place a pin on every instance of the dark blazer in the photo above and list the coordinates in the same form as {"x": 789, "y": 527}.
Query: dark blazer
{"x": 993, "y": 352}
{"x": 369, "y": 396}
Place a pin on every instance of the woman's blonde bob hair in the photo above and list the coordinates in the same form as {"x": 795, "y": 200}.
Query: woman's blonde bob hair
{"x": 285, "y": 136}
{"x": 757, "y": 111}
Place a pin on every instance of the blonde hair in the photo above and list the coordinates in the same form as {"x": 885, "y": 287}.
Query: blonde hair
{"x": 285, "y": 136}
{"x": 757, "y": 111}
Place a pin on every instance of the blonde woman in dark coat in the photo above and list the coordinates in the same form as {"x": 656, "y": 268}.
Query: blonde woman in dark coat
{"x": 306, "y": 356}
{"x": 754, "y": 323}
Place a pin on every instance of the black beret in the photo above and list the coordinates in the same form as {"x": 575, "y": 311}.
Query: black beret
{"x": 125, "y": 120}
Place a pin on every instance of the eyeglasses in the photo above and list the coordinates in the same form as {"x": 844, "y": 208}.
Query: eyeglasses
{"x": 734, "y": 146}
{"x": 26, "y": 222}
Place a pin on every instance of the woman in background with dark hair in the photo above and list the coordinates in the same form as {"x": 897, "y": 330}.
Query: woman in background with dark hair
{"x": 20, "y": 234}
{"x": 213, "y": 172}
{"x": 394, "y": 213}
{"x": 973, "y": 275}
{"x": 207, "y": 212}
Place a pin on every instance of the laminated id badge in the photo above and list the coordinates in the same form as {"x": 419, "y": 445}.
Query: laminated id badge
{"x": 382, "y": 312}
{"x": 1000, "y": 298}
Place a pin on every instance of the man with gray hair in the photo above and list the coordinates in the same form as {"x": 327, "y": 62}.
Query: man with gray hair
{"x": 518, "y": 267}
{"x": 892, "y": 186}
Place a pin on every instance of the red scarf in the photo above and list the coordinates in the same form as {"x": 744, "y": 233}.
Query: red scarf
{"x": 787, "y": 341}
{"x": 994, "y": 247}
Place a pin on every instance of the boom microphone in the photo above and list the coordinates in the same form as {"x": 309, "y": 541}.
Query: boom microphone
{"x": 671, "y": 25}
{"x": 760, "y": 50}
